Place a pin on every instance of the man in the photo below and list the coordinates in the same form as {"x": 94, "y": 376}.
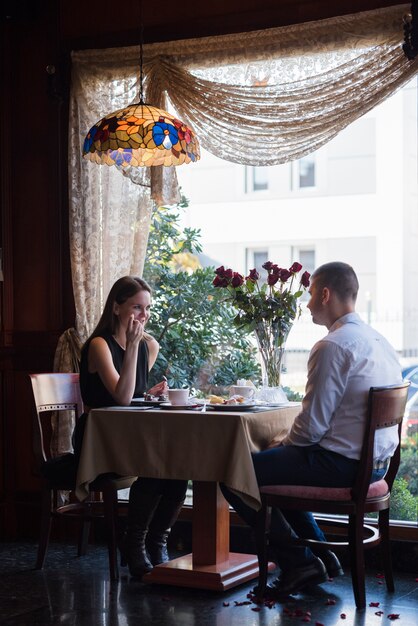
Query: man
{"x": 324, "y": 444}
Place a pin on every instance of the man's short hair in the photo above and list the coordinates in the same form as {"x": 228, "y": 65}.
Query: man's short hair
{"x": 339, "y": 277}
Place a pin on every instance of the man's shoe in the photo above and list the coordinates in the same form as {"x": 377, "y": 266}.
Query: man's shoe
{"x": 313, "y": 573}
{"x": 332, "y": 564}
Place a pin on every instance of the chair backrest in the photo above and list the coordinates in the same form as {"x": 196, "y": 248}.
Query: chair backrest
{"x": 53, "y": 393}
{"x": 385, "y": 409}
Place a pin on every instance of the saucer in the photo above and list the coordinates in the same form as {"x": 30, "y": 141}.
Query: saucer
{"x": 143, "y": 402}
{"x": 167, "y": 406}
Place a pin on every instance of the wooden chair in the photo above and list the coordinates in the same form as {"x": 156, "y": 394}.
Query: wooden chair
{"x": 386, "y": 408}
{"x": 56, "y": 393}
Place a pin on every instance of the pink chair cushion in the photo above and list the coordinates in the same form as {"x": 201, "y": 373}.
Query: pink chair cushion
{"x": 376, "y": 490}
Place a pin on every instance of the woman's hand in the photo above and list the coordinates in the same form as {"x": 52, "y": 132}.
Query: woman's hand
{"x": 134, "y": 331}
{"x": 159, "y": 389}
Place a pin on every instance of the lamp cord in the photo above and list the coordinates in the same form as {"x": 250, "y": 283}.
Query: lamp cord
{"x": 141, "y": 55}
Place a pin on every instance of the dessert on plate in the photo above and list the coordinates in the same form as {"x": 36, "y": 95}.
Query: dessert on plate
{"x": 235, "y": 399}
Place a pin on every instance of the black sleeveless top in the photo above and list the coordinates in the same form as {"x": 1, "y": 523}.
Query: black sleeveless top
{"x": 93, "y": 391}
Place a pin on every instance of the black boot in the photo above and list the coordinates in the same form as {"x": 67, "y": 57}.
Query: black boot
{"x": 331, "y": 562}
{"x": 141, "y": 509}
{"x": 165, "y": 516}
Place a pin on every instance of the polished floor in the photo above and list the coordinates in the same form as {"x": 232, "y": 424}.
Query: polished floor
{"x": 76, "y": 591}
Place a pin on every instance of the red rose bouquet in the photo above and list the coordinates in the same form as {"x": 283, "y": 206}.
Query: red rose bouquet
{"x": 269, "y": 309}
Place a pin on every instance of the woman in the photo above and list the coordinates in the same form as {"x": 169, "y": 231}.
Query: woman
{"x": 115, "y": 362}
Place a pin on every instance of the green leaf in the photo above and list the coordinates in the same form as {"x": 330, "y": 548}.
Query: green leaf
{"x": 250, "y": 285}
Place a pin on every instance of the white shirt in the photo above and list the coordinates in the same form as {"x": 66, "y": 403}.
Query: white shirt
{"x": 341, "y": 369}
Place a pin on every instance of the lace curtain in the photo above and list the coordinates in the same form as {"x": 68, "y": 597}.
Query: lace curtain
{"x": 258, "y": 98}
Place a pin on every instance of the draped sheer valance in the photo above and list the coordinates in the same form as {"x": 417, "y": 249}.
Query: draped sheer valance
{"x": 267, "y": 97}
{"x": 258, "y": 98}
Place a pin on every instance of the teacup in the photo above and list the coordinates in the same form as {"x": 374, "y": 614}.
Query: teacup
{"x": 178, "y": 396}
{"x": 245, "y": 391}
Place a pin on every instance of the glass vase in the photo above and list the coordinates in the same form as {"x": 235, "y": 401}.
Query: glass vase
{"x": 271, "y": 343}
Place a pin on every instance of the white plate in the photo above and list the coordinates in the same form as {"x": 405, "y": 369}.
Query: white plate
{"x": 178, "y": 407}
{"x": 232, "y": 407}
{"x": 273, "y": 405}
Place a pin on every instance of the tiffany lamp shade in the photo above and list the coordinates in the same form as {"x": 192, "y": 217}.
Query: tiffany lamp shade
{"x": 140, "y": 135}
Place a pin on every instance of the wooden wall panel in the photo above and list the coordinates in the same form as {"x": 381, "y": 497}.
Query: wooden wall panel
{"x": 37, "y": 297}
{"x": 100, "y": 25}
{"x": 35, "y": 214}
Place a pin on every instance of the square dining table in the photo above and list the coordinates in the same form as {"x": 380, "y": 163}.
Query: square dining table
{"x": 208, "y": 448}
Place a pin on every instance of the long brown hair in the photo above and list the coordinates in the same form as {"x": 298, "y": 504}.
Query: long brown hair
{"x": 124, "y": 288}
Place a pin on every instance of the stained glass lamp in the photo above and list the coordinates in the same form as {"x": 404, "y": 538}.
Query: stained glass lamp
{"x": 140, "y": 135}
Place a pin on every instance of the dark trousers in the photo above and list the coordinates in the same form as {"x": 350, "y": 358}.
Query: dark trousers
{"x": 296, "y": 465}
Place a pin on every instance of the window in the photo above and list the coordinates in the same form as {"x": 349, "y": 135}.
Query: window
{"x": 257, "y": 179}
{"x": 378, "y": 165}
{"x": 303, "y": 172}
{"x": 256, "y": 259}
{"x": 342, "y": 207}
{"x": 305, "y": 256}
